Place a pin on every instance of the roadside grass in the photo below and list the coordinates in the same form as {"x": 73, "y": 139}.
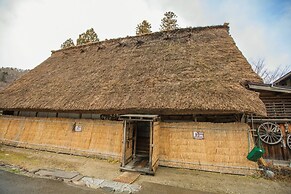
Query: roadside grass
{"x": 13, "y": 170}
{"x": 31, "y": 161}
{"x": 11, "y": 158}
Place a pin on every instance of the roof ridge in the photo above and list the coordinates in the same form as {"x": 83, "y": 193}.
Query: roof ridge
{"x": 198, "y": 28}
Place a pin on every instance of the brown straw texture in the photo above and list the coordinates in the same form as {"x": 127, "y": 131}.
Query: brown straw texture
{"x": 184, "y": 71}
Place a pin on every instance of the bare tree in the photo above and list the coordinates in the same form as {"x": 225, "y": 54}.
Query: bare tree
{"x": 278, "y": 72}
{"x": 260, "y": 68}
{"x": 269, "y": 76}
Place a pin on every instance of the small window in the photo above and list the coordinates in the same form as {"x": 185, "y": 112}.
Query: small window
{"x": 86, "y": 116}
{"x": 7, "y": 112}
{"x": 27, "y": 113}
{"x": 51, "y": 114}
{"x": 42, "y": 114}
{"x": 95, "y": 116}
{"x": 69, "y": 115}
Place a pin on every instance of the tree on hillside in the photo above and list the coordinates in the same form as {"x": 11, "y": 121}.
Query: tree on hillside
{"x": 9, "y": 74}
{"x": 3, "y": 76}
{"x": 143, "y": 28}
{"x": 68, "y": 43}
{"x": 87, "y": 37}
{"x": 269, "y": 76}
{"x": 169, "y": 21}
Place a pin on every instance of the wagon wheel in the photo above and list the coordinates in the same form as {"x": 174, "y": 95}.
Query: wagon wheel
{"x": 270, "y": 133}
{"x": 289, "y": 141}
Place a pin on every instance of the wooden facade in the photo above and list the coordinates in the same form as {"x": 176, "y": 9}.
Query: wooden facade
{"x": 277, "y": 99}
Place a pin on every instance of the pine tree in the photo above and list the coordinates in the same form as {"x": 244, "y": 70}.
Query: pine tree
{"x": 143, "y": 28}
{"x": 88, "y": 36}
{"x": 82, "y": 39}
{"x": 169, "y": 21}
{"x": 68, "y": 43}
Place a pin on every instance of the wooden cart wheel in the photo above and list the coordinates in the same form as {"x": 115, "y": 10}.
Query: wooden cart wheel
{"x": 270, "y": 133}
{"x": 289, "y": 141}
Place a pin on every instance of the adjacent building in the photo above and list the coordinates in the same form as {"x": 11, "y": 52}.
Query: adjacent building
{"x": 274, "y": 130}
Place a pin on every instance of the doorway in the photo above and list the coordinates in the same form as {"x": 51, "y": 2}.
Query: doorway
{"x": 142, "y": 147}
{"x": 138, "y": 143}
{"x": 139, "y": 161}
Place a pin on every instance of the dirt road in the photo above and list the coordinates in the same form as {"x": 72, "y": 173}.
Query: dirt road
{"x": 176, "y": 178}
{"x": 17, "y": 184}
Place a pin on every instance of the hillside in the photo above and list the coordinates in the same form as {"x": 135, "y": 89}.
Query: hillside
{"x": 8, "y": 75}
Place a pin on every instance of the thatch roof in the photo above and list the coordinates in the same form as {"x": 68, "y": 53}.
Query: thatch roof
{"x": 184, "y": 71}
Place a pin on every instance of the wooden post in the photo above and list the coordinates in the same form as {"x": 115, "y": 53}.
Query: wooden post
{"x": 135, "y": 137}
{"x": 243, "y": 119}
{"x": 151, "y": 146}
{"x": 124, "y": 144}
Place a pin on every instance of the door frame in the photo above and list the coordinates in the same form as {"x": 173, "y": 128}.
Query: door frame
{"x": 137, "y": 117}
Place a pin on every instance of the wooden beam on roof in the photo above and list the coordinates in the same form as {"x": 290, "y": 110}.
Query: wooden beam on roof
{"x": 281, "y": 120}
{"x": 267, "y": 87}
{"x": 139, "y": 117}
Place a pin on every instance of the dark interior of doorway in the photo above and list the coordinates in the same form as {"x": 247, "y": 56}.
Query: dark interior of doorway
{"x": 141, "y": 147}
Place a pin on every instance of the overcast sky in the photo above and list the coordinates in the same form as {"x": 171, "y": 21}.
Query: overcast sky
{"x": 30, "y": 29}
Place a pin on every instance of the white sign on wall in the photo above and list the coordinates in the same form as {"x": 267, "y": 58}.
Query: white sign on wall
{"x": 77, "y": 128}
{"x": 198, "y": 135}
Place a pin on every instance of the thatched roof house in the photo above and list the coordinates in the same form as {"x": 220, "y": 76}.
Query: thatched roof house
{"x": 182, "y": 95}
{"x": 184, "y": 71}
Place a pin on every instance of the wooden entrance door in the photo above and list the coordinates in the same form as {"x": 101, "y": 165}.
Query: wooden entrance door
{"x": 140, "y": 151}
{"x": 154, "y": 146}
{"x": 127, "y": 151}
